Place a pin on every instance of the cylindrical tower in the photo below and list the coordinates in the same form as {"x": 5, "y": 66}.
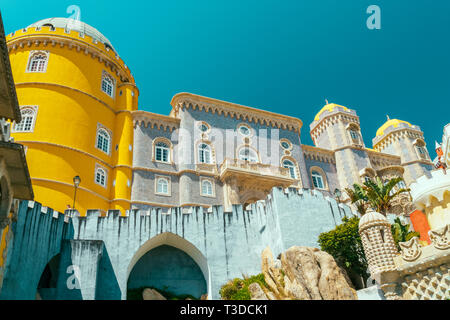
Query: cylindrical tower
{"x": 378, "y": 243}
{"x": 337, "y": 128}
{"x": 76, "y": 97}
{"x": 403, "y": 139}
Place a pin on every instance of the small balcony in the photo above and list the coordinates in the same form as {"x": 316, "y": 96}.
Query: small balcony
{"x": 255, "y": 174}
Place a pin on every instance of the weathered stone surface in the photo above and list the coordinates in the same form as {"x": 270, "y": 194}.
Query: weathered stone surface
{"x": 151, "y": 294}
{"x": 305, "y": 274}
{"x": 256, "y": 292}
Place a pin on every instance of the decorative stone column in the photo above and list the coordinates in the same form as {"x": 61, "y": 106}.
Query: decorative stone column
{"x": 380, "y": 251}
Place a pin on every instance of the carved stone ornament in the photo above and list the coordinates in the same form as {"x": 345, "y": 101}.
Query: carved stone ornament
{"x": 411, "y": 249}
{"x": 441, "y": 238}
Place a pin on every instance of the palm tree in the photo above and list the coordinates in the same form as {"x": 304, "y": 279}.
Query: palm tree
{"x": 401, "y": 232}
{"x": 377, "y": 195}
{"x": 359, "y": 198}
{"x": 380, "y": 195}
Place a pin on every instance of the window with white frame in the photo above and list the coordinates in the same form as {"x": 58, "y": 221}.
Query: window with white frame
{"x": 28, "y": 120}
{"x": 207, "y": 188}
{"x": 317, "y": 180}
{"x": 37, "y": 62}
{"x": 292, "y": 168}
{"x": 248, "y": 154}
{"x": 108, "y": 84}
{"x": 103, "y": 140}
{"x": 162, "y": 152}
{"x": 162, "y": 186}
{"x": 100, "y": 176}
{"x": 204, "y": 153}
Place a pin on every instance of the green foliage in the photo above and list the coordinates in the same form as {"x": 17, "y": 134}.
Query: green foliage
{"x": 379, "y": 194}
{"x": 375, "y": 194}
{"x": 401, "y": 233}
{"x": 358, "y": 197}
{"x": 136, "y": 294}
{"x": 237, "y": 289}
{"x": 344, "y": 244}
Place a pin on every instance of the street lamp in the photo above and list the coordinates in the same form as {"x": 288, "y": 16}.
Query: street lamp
{"x": 337, "y": 194}
{"x": 76, "y": 183}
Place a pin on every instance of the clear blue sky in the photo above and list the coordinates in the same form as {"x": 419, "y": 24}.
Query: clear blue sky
{"x": 282, "y": 56}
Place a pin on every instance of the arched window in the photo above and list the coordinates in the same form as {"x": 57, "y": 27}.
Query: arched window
{"x": 103, "y": 140}
{"x": 37, "y": 61}
{"x": 162, "y": 152}
{"x": 353, "y": 131}
{"x": 108, "y": 84}
{"x": 317, "y": 180}
{"x": 292, "y": 168}
{"x": 162, "y": 186}
{"x": 100, "y": 177}
{"x": 204, "y": 153}
{"x": 248, "y": 154}
{"x": 207, "y": 188}
{"x": 28, "y": 120}
{"x": 421, "y": 149}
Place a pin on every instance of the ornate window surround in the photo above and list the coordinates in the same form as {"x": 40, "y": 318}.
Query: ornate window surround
{"x": 243, "y": 124}
{"x": 101, "y": 127}
{"x": 169, "y": 185}
{"x": 169, "y": 144}
{"x": 34, "y": 53}
{"x": 213, "y": 187}
{"x": 34, "y": 109}
{"x": 420, "y": 143}
{"x": 246, "y": 146}
{"x": 211, "y": 148}
{"x": 105, "y": 74}
{"x": 291, "y": 146}
{"x": 355, "y": 128}
{"x": 294, "y": 162}
{"x": 105, "y": 171}
{"x": 324, "y": 177}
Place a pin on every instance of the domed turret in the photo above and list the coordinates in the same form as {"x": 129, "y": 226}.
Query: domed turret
{"x": 75, "y": 25}
{"x": 401, "y": 138}
{"x": 77, "y": 96}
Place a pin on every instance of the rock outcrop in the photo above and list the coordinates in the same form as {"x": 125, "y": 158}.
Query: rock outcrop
{"x": 152, "y": 294}
{"x": 302, "y": 273}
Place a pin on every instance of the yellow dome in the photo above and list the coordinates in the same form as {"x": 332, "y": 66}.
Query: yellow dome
{"x": 391, "y": 122}
{"x": 328, "y": 107}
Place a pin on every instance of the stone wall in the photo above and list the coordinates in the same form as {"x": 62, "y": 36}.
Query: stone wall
{"x": 98, "y": 252}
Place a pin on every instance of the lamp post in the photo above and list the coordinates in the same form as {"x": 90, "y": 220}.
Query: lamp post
{"x": 76, "y": 183}
{"x": 337, "y": 194}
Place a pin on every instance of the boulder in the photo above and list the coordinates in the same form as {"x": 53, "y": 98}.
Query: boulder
{"x": 256, "y": 292}
{"x": 152, "y": 294}
{"x": 305, "y": 273}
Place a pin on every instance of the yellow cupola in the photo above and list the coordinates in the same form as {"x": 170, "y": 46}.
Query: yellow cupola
{"x": 329, "y": 107}
{"x": 391, "y": 122}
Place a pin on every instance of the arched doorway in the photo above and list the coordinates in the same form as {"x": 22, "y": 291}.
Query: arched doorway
{"x": 46, "y": 289}
{"x": 172, "y": 266}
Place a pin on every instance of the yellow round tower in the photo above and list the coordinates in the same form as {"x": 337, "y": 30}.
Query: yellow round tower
{"x": 76, "y": 97}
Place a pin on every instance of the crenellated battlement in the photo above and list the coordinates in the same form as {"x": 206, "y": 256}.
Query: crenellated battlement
{"x": 426, "y": 188}
{"x": 51, "y": 36}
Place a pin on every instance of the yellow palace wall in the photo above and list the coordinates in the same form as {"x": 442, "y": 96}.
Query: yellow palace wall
{"x": 71, "y": 105}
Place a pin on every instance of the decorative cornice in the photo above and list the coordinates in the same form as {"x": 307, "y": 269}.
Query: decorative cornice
{"x": 152, "y": 120}
{"x": 73, "y": 40}
{"x": 189, "y": 100}
{"x": 318, "y": 154}
{"x": 424, "y": 189}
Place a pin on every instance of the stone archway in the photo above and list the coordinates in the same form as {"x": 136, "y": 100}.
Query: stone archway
{"x": 170, "y": 263}
{"x": 46, "y": 288}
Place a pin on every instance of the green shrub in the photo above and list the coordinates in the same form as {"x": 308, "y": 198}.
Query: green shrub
{"x": 344, "y": 244}
{"x": 237, "y": 289}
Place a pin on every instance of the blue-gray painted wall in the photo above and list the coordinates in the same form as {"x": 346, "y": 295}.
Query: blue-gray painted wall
{"x": 102, "y": 248}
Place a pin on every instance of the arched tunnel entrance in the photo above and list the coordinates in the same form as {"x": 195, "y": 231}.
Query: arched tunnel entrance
{"x": 46, "y": 289}
{"x": 172, "y": 266}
